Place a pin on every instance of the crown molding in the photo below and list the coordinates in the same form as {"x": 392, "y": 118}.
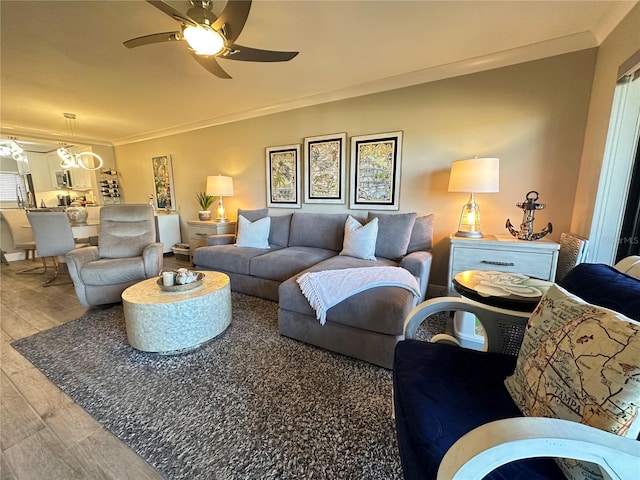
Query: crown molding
{"x": 536, "y": 51}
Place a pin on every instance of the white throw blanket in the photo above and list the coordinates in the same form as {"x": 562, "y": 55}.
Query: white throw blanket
{"x": 329, "y": 287}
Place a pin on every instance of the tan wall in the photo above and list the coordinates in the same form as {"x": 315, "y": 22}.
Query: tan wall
{"x": 532, "y": 116}
{"x": 623, "y": 42}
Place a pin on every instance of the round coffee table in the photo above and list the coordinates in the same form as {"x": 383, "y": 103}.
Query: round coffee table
{"x": 175, "y": 322}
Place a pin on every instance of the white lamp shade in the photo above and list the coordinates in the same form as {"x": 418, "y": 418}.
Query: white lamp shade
{"x": 476, "y": 175}
{"x": 219, "y": 185}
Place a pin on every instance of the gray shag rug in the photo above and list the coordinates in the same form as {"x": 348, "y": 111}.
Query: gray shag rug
{"x": 250, "y": 404}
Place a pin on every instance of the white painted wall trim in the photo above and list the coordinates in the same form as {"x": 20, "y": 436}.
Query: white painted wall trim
{"x": 617, "y": 164}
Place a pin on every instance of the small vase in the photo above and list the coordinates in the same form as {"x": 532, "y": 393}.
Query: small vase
{"x": 204, "y": 215}
{"x": 77, "y": 214}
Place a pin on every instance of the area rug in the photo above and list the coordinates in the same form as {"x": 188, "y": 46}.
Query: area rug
{"x": 248, "y": 405}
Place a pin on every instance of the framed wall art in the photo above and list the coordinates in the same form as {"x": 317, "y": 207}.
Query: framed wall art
{"x": 283, "y": 176}
{"x": 164, "y": 193}
{"x": 324, "y": 168}
{"x": 375, "y": 171}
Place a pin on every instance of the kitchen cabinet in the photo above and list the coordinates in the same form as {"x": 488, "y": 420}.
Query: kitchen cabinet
{"x": 40, "y": 175}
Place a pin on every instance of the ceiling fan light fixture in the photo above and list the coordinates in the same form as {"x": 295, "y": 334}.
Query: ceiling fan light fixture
{"x": 204, "y": 40}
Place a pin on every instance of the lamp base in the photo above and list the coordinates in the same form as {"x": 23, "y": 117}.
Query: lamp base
{"x": 461, "y": 233}
{"x": 221, "y": 220}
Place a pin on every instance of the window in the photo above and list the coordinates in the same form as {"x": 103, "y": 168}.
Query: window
{"x": 10, "y": 184}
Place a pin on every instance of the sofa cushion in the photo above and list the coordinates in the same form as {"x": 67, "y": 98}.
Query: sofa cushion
{"x": 253, "y": 234}
{"x": 360, "y": 240}
{"x": 421, "y": 234}
{"x": 253, "y": 215}
{"x": 380, "y": 309}
{"x": 394, "y": 233}
{"x": 279, "y": 233}
{"x": 319, "y": 230}
{"x": 442, "y": 392}
{"x": 604, "y": 286}
{"x": 286, "y": 262}
{"x": 577, "y": 362}
{"x": 228, "y": 258}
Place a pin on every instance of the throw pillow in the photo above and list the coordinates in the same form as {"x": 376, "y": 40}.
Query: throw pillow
{"x": 394, "y": 233}
{"x": 253, "y": 234}
{"x": 251, "y": 215}
{"x": 360, "y": 240}
{"x": 579, "y": 362}
{"x": 421, "y": 234}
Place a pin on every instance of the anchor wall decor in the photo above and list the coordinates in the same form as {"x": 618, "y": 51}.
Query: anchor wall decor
{"x": 529, "y": 206}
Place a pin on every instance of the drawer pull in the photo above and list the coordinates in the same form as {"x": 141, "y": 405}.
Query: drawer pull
{"x": 202, "y": 234}
{"x": 502, "y": 264}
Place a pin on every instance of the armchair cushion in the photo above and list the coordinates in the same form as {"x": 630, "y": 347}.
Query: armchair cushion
{"x": 604, "y": 286}
{"x": 465, "y": 391}
{"x": 579, "y": 362}
{"x": 125, "y": 232}
{"x": 108, "y": 271}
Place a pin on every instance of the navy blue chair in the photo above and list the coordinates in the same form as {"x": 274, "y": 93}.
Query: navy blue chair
{"x": 444, "y": 392}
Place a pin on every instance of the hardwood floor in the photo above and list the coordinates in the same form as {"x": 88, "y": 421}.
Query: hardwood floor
{"x": 43, "y": 433}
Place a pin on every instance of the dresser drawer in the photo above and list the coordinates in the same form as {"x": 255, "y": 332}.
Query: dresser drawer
{"x": 534, "y": 264}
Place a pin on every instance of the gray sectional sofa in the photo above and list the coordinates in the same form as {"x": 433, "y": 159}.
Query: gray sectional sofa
{"x": 366, "y": 325}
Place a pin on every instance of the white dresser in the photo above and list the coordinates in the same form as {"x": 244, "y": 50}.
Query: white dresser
{"x": 199, "y": 231}
{"x": 504, "y": 253}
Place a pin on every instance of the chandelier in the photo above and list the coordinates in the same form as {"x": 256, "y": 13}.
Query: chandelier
{"x": 12, "y": 148}
{"x": 74, "y": 160}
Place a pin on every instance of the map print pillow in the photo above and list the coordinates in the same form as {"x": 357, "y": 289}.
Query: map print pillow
{"x": 579, "y": 362}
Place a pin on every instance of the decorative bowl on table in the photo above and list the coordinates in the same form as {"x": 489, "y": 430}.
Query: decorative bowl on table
{"x": 182, "y": 288}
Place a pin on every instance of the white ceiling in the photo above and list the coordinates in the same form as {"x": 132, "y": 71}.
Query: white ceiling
{"x": 67, "y": 56}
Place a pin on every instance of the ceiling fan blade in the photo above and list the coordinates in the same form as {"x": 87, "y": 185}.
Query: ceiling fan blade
{"x": 154, "y": 38}
{"x": 172, "y": 12}
{"x": 248, "y": 54}
{"x": 210, "y": 64}
{"x": 233, "y": 18}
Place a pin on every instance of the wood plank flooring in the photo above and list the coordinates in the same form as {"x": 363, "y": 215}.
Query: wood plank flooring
{"x": 43, "y": 433}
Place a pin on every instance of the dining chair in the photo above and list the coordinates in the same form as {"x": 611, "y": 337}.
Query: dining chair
{"x": 53, "y": 238}
{"x": 16, "y": 219}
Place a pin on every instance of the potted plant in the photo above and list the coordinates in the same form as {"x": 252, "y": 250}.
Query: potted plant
{"x": 205, "y": 202}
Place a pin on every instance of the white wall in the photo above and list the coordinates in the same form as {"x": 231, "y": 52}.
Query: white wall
{"x": 530, "y": 115}
{"x": 623, "y": 42}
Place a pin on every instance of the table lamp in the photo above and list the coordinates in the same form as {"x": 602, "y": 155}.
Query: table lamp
{"x": 220, "y": 186}
{"x": 476, "y": 175}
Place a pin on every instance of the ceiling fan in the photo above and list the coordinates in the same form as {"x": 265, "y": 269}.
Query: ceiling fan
{"x": 208, "y": 36}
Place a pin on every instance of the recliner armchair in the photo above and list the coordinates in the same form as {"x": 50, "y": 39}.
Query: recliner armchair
{"x": 455, "y": 418}
{"x": 127, "y": 253}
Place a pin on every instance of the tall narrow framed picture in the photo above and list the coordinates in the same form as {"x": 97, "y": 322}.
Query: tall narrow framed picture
{"x": 283, "y": 176}
{"x": 375, "y": 171}
{"x": 324, "y": 168}
{"x": 164, "y": 193}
